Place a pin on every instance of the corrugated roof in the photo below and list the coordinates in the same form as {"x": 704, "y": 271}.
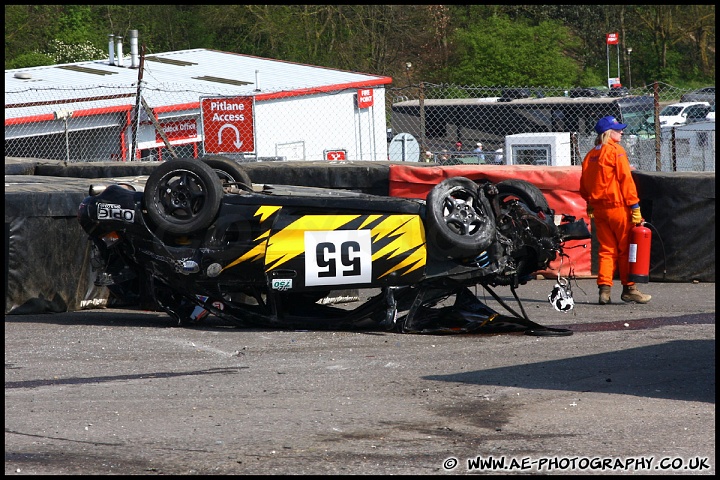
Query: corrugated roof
{"x": 97, "y": 84}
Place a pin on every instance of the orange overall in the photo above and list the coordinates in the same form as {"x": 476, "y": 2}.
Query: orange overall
{"x": 607, "y": 185}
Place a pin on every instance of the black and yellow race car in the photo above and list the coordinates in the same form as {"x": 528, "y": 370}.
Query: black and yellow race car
{"x": 200, "y": 238}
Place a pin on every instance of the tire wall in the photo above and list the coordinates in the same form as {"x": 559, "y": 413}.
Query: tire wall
{"x": 47, "y": 254}
{"x": 558, "y": 184}
{"x": 680, "y": 208}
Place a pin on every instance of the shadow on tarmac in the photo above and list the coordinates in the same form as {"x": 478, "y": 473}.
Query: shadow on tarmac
{"x": 677, "y": 370}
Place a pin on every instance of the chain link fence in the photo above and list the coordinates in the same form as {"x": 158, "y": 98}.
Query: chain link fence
{"x": 547, "y": 126}
{"x": 445, "y": 124}
{"x": 162, "y": 121}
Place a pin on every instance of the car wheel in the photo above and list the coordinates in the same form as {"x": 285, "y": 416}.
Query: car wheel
{"x": 524, "y": 191}
{"x": 229, "y": 171}
{"x": 182, "y": 196}
{"x": 460, "y": 223}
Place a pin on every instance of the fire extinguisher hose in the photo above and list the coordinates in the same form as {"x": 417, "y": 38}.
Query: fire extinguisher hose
{"x": 661, "y": 245}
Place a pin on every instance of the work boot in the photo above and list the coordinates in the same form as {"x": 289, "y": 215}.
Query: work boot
{"x": 604, "y": 294}
{"x": 632, "y": 294}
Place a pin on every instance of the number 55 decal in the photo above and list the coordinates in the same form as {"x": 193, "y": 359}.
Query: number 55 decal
{"x": 338, "y": 257}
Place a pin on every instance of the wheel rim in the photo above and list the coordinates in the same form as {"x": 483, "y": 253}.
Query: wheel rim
{"x": 459, "y": 213}
{"x": 182, "y": 194}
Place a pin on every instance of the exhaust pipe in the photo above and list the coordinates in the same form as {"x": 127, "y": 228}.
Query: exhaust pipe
{"x": 119, "y": 51}
{"x": 134, "y": 57}
{"x": 111, "y": 49}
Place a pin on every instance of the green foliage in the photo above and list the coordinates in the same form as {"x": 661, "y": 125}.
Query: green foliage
{"x": 499, "y": 51}
{"x": 76, "y": 25}
{"x": 590, "y": 78}
{"x": 61, "y": 52}
{"x": 518, "y": 45}
{"x": 27, "y": 60}
{"x": 447, "y": 92}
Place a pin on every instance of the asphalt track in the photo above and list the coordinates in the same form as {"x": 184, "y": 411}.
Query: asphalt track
{"x": 109, "y": 391}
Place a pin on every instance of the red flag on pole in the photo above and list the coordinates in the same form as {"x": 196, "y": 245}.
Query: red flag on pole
{"x": 612, "y": 38}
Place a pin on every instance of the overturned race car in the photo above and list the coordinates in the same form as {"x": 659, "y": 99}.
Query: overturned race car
{"x": 200, "y": 238}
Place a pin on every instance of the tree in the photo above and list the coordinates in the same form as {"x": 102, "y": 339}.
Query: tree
{"x": 524, "y": 44}
{"x": 501, "y": 51}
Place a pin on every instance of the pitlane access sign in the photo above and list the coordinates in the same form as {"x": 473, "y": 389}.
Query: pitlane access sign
{"x": 228, "y": 124}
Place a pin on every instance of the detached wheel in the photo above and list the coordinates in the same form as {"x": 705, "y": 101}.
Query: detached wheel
{"x": 229, "y": 171}
{"x": 460, "y": 222}
{"x": 524, "y": 191}
{"x": 182, "y": 196}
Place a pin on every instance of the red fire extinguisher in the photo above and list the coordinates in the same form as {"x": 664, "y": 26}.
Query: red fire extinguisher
{"x": 639, "y": 257}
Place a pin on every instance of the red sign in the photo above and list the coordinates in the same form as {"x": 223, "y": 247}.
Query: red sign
{"x": 365, "y": 98}
{"x": 335, "y": 155}
{"x": 181, "y": 130}
{"x": 228, "y": 124}
{"x": 612, "y": 38}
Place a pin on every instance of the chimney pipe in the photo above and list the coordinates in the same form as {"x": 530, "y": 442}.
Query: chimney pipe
{"x": 134, "y": 57}
{"x": 119, "y": 51}
{"x": 111, "y": 48}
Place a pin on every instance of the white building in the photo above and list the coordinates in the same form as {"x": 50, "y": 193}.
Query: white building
{"x": 86, "y": 111}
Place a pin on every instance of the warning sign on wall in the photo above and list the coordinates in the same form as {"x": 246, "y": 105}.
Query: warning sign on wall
{"x": 365, "y": 98}
{"x": 228, "y": 124}
{"x": 338, "y": 154}
{"x": 180, "y": 130}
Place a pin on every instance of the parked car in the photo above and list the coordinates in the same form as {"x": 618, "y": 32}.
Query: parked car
{"x": 697, "y": 113}
{"x": 618, "y": 91}
{"x": 587, "y": 92}
{"x": 676, "y": 113}
{"x": 510, "y": 94}
{"x": 710, "y": 117}
{"x": 705, "y": 94}
{"x": 600, "y": 91}
{"x": 201, "y": 238}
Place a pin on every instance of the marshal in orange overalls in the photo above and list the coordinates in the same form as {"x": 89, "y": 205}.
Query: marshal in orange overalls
{"x": 607, "y": 186}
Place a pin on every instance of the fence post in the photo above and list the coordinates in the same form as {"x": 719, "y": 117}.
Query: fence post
{"x": 658, "y": 144}
{"x": 423, "y": 148}
{"x": 136, "y": 120}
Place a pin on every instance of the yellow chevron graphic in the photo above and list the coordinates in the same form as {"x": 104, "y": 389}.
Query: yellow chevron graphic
{"x": 254, "y": 254}
{"x": 258, "y": 251}
{"x": 405, "y": 235}
{"x": 265, "y": 211}
{"x": 409, "y": 237}
{"x": 392, "y": 235}
{"x": 289, "y": 242}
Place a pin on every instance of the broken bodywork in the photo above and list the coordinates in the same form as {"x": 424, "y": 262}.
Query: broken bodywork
{"x": 202, "y": 239}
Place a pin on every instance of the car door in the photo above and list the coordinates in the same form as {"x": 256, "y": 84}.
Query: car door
{"x": 696, "y": 113}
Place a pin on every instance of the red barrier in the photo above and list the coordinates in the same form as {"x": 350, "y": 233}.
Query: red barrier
{"x": 558, "y": 184}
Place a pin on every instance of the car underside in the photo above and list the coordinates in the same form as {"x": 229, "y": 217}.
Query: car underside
{"x": 201, "y": 239}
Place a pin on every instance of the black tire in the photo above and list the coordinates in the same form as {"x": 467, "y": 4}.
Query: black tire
{"x": 229, "y": 171}
{"x": 182, "y": 196}
{"x": 460, "y": 222}
{"x": 524, "y": 191}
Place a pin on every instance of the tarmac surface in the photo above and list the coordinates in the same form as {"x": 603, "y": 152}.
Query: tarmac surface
{"x": 111, "y": 391}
